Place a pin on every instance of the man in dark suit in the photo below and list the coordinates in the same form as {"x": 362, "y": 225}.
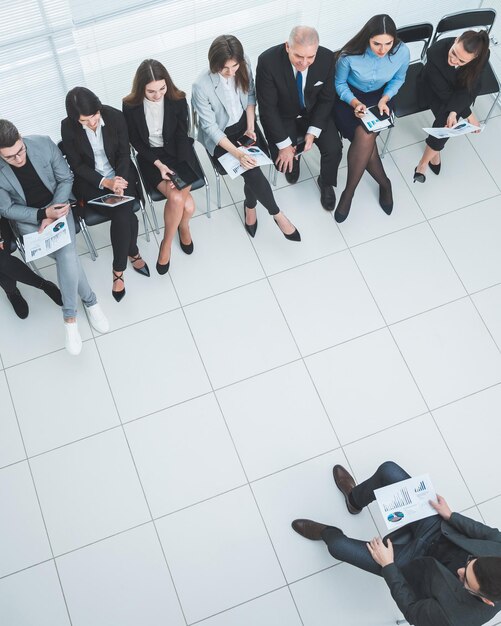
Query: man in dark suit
{"x": 295, "y": 93}
{"x": 444, "y": 570}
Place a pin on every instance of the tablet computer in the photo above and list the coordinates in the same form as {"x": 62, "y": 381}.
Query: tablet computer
{"x": 183, "y": 176}
{"x": 111, "y": 199}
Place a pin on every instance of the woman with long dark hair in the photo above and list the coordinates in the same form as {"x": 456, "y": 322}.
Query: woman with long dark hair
{"x": 449, "y": 83}
{"x": 225, "y": 100}
{"x": 370, "y": 70}
{"x": 157, "y": 117}
{"x": 96, "y": 144}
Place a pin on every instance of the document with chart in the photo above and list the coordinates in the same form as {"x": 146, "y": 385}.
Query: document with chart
{"x": 406, "y": 501}
{"x": 53, "y": 237}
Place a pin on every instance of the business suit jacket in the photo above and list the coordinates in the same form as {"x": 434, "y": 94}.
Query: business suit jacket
{"x": 79, "y": 152}
{"x": 428, "y": 594}
{"x": 54, "y": 172}
{"x": 209, "y": 101}
{"x": 277, "y": 93}
{"x": 177, "y": 144}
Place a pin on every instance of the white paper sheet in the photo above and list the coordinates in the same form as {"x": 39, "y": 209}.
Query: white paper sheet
{"x": 52, "y": 238}
{"x": 461, "y": 128}
{"x": 232, "y": 164}
{"x": 406, "y": 501}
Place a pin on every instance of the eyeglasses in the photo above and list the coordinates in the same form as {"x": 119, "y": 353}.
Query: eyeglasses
{"x": 20, "y": 153}
{"x": 466, "y": 585}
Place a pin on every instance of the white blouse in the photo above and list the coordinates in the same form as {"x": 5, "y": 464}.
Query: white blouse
{"x": 154, "y": 114}
{"x": 235, "y": 108}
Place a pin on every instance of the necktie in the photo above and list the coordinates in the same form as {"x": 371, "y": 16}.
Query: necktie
{"x": 299, "y": 85}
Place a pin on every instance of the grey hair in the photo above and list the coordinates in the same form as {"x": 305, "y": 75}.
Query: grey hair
{"x": 303, "y": 36}
{"x": 8, "y": 134}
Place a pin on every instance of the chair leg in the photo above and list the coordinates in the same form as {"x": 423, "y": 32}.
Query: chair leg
{"x": 274, "y": 174}
{"x": 88, "y": 239}
{"x": 153, "y": 215}
{"x": 401, "y": 621}
{"x": 218, "y": 188}
{"x": 385, "y": 145}
{"x": 496, "y": 101}
{"x": 207, "y": 196}
{"x": 145, "y": 220}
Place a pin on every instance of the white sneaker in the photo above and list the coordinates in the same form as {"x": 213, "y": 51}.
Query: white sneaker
{"x": 73, "y": 341}
{"x": 97, "y": 318}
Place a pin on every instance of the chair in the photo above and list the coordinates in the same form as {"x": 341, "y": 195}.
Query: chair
{"x": 474, "y": 18}
{"x": 86, "y": 215}
{"x": 406, "y": 101}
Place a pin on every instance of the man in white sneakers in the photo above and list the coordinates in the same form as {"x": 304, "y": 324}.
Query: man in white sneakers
{"x": 35, "y": 189}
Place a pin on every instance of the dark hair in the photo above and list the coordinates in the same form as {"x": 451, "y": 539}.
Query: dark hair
{"x": 8, "y": 134}
{"x": 487, "y": 570}
{"x": 147, "y": 72}
{"x": 225, "y": 48}
{"x": 377, "y": 25}
{"x": 477, "y": 43}
{"x": 81, "y": 101}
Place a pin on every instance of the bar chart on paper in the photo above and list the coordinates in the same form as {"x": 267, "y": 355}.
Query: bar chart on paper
{"x": 406, "y": 501}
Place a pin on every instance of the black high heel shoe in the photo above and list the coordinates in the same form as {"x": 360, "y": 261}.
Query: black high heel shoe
{"x": 295, "y": 236}
{"x": 118, "y": 295}
{"x": 435, "y": 168}
{"x": 386, "y": 199}
{"x": 187, "y": 248}
{"x": 145, "y": 270}
{"x": 250, "y": 228}
{"x": 162, "y": 269}
{"x": 418, "y": 177}
{"x": 340, "y": 216}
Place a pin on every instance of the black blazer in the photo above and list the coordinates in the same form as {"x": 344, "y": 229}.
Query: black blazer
{"x": 177, "y": 144}
{"x": 79, "y": 151}
{"x": 438, "y": 85}
{"x": 277, "y": 94}
{"x": 428, "y": 594}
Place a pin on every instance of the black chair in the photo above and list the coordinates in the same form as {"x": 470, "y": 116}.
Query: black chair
{"x": 406, "y": 101}
{"x": 465, "y": 20}
{"x": 86, "y": 215}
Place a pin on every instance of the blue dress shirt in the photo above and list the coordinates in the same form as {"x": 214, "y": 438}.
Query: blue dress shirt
{"x": 368, "y": 72}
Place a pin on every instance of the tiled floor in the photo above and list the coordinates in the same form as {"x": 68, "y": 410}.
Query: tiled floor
{"x": 152, "y": 480}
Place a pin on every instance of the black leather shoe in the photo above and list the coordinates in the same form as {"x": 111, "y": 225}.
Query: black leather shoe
{"x": 343, "y": 209}
{"x": 145, "y": 270}
{"x": 187, "y": 248}
{"x": 19, "y": 304}
{"x": 309, "y": 529}
{"x": 327, "y": 195}
{"x": 435, "y": 168}
{"x": 345, "y": 483}
{"x": 118, "y": 295}
{"x": 292, "y": 177}
{"x": 418, "y": 177}
{"x": 294, "y": 236}
{"x": 386, "y": 199}
{"x": 250, "y": 228}
{"x": 52, "y": 291}
{"x": 163, "y": 269}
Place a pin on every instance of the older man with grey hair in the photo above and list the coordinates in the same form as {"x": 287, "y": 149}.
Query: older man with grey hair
{"x": 295, "y": 93}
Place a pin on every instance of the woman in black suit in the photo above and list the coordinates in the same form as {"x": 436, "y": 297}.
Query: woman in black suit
{"x": 449, "y": 84}
{"x": 157, "y": 117}
{"x": 96, "y": 144}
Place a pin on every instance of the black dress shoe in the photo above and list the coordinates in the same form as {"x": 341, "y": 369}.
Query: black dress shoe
{"x": 435, "y": 168}
{"x": 292, "y": 177}
{"x": 294, "y": 236}
{"x": 250, "y": 228}
{"x": 145, "y": 270}
{"x": 118, "y": 295}
{"x": 187, "y": 248}
{"x": 343, "y": 209}
{"x": 19, "y": 304}
{"x": 386, "y": 199}
{"x": 163, "y": 269}
{"x": 327, "y": 195}
{"x": 309, "y": 529}
{"x": 52, "y": 291}
{"x": 418, "y": 177}
{"x": 345, "y": 483}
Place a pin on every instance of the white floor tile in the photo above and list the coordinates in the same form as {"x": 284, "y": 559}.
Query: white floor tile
{"x": 449, "y": 352}
{"x": 219, "y": 554}
{"x": 335, "y": 594}
{"x": 367, "y": 220}
{"x": 326, "y": 302}
{"x": 11, "y": 444}
{"x": 241, "y": 333}
{"x": 464, "y": 425}
{"x": 407, "y": 131}
{"x": 223, "y": 258}
{"x": 307, "y": 491}
{"x": 372, "y": 363}
{"x": 486, "y": 145}
{"x": 470, "y": 240}
{"x": 319, "y": 233}
{"x": 184, "y": 455}
{"x": 122, "y": 580}
{"x": 408, "y": 272}
{"x": 49, "y": 420}
{"x": 24, "y": 539}
{"x": 410, "y": 445}
{"x": 199, "y": 194}
{"x": 33, "y": 596}
{"x": 453, "y": 189}
{"x": 491, "y": 512}
{"x": 162, "y": 369}
{"x": 488, "y": 302}
{"x": 276, "y": 420}
{"x": 269, "y": 610}
{"x": 88, "y": 490}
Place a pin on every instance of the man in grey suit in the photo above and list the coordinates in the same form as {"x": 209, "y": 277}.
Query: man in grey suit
{"x": 35, "y": 189}
{"x": 444, "y": 570}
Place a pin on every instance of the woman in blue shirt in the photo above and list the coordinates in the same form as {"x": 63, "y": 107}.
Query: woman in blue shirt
{"x": 370, "y": 70}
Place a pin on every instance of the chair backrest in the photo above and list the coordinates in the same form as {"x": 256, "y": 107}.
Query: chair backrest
{"x": 464, "y": 20}
{"x": 417, "y": 33}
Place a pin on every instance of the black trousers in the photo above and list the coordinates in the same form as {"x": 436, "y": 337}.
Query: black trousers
{"x": 329, "y": 143}
{"x": 12, "y": 270}
{"x": 256, "y": 185}
{"x": 440, "y": 120}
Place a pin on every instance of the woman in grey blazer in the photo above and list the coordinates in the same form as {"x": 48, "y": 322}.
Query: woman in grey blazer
{"x": 225, "y": 100}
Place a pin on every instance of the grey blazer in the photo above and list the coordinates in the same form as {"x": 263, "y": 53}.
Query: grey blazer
{"x": 209, "y": 101}
{"x": 54, "y": 172}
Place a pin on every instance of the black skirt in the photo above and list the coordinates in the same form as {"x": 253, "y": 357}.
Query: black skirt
{"x": 344, "y": 114}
